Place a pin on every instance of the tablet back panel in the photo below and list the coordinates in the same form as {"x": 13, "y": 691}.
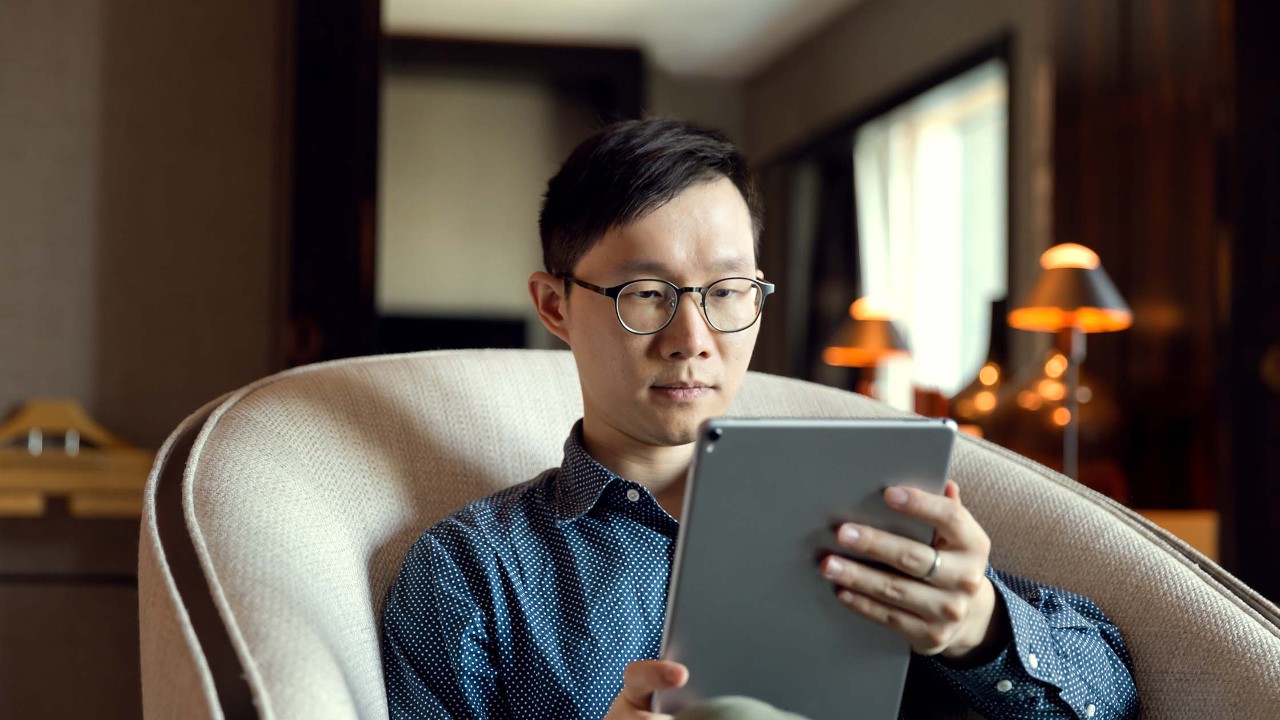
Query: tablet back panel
{"x": 748, "y": 611}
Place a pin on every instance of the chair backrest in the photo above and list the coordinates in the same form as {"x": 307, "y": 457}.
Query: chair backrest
{"x": 278, "y": 516}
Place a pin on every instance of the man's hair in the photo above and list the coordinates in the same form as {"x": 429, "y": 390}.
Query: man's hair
{"x": 628, "y": 170}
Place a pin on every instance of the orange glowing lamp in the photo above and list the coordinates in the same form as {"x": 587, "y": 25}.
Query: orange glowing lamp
{"x": 1073, "y": 297}
{"x": 1073, "y": 292}
{"x": 866, "y": 338}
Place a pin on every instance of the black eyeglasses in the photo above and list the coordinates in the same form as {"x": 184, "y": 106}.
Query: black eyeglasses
{"x": 647, "y": 306}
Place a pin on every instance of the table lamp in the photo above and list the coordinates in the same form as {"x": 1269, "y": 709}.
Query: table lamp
{"x": 1073, "y": 297}
{"x": 865, "y": 338}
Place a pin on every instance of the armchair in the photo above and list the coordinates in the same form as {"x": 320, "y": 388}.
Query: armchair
{"x": 277, "y": 516}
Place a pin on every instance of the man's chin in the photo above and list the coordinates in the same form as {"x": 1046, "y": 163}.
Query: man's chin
{"x": 672, "y": 429}
{"x": 668, "y": 437}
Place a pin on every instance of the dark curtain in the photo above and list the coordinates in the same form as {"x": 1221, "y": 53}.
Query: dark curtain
{"x": 773, "y": 351}
{"x": 809, "y": 248}
{"x": 833, "y": 269}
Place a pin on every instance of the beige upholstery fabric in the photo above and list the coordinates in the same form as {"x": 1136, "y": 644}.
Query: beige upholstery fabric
{"x": 176, "y": 679}
{"x": 302, "y": 492}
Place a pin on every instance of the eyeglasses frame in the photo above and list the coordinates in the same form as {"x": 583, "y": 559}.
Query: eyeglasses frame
{"x": 766, "y": 289}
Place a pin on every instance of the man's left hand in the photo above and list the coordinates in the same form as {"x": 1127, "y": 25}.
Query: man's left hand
{"x": 942, "y": 603}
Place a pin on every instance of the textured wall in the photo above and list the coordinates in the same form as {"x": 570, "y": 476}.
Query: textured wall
{"x": 713, "y": 102}
{"x": 142, "y": 160}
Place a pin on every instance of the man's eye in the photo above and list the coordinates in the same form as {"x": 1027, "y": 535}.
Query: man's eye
{"x": 724, "y": 293}
{"x": 646, "y": 294}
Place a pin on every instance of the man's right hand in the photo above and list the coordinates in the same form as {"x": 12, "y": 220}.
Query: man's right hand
{"x": 639, "y": 682}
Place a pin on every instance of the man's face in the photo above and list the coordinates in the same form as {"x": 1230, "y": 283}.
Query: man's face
{"x": 657, "y": 389}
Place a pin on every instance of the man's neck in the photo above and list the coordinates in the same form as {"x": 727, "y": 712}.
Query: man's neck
{"x": 660, "y": 469}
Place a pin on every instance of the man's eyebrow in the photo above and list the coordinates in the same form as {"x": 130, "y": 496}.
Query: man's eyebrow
{"x": 659, "y": 269}
{"x": 642, "y": 267}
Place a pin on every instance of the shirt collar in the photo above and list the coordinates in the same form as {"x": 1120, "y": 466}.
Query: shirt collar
{"x": 581, "y": 480}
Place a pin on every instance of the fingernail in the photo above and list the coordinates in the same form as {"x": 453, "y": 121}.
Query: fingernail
{"x": 672, "y": 675}
{"x": 832, "y": 568}
{"x": 848, "y": 534}
{"x": 845, "y": 596}
{"x": 896, "y": 496}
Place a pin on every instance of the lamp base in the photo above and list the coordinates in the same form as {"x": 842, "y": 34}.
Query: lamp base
{"x": 866, "y": 384}
{"x": 1071, "y": 341}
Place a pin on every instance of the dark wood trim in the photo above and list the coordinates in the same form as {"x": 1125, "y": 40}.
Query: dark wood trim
{"x": 74, "y": 580}
{"x": 335, "y": 175}
{"x": 1014, "y": 231}
{"x": 283, "y": 187}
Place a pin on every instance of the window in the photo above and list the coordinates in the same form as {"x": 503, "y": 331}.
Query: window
{"x": 930, "y": 181}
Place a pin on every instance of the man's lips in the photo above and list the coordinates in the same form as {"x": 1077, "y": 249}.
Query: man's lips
{"x": 681, "y": 391}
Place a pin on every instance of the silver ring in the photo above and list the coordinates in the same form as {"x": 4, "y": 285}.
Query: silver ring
{"x": 933, "y": 569}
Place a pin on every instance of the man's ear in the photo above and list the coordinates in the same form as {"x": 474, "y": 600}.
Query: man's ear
{"x": 548, "y": 293}
{"x": 759, "y": 274}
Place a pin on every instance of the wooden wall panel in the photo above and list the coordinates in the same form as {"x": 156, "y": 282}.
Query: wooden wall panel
{"x": 1134, "y": 178}
{"x": 1250, "y": 375}
{"x": 1167, "y": 162}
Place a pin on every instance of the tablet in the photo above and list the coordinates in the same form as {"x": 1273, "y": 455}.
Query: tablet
{"x": 747, "y": 610}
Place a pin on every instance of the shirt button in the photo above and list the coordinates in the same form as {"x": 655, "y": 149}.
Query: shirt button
{"x": 1004, "y": 686}
{"x": 1089, "y": 711}
{"x": 633, "y": 494}
{"x": 1033, "y": 661}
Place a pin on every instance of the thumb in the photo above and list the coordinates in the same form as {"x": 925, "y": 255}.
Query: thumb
{"x": 641, "y": 679}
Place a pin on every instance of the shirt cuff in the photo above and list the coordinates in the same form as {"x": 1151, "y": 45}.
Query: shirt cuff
{"x": 1030, "y": 670}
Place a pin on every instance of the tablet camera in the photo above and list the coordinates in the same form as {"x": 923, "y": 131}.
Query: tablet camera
{"x": 713, "y": 435}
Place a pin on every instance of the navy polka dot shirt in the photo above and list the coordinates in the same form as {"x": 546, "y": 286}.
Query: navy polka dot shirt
{"x": 529, "y": 604}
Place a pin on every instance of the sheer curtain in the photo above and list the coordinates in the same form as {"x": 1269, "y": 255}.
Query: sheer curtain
{"x": 930, "y": 191}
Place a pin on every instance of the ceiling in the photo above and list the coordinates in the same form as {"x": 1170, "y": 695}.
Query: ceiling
{"x": 706, "y": 38}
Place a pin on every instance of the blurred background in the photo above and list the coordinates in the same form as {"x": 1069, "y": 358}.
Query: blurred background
{"x": 194, "y": 195}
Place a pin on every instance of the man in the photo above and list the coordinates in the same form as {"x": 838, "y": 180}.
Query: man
{"x": 547, "y": 600}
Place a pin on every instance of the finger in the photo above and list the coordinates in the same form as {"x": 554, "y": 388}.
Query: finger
{"x": 952, "y": 491}
{"x": 952, "y": 521}
{"x": 907, "y": 594}
{"x": 924, "y": 638}
{"x": 640, "y": 680}
{"x": 911, "y": 557}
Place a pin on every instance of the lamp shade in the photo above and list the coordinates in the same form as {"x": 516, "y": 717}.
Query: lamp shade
{"x": 1073, "y": 291}
{"x": 864, "y": 339}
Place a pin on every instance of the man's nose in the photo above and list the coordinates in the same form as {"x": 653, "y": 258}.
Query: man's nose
{"x": 688, "y": 335}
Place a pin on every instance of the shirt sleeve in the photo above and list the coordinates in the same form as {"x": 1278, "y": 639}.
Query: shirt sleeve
{"x": 438, "y": 657}
{"x": 1066, "y": 660}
